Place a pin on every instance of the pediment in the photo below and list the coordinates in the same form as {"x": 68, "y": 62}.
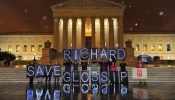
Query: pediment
{"x": 88, "y": 4}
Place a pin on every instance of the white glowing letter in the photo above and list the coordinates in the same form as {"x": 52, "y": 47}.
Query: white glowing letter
{"x": 94, "y": 53}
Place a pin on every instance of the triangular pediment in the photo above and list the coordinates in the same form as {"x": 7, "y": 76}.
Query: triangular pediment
{"x": 88, "y": 4}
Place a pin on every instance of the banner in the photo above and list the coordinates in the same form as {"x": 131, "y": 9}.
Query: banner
{"x": 139, "y": 73}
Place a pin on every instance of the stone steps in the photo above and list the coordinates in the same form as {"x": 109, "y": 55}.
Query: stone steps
{"x": 154, "y": 75}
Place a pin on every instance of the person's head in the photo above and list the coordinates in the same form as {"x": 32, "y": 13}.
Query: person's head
{"x": 123, "y": 61}
{"x": 57, "y": 62}
{"x": 30, "y": 62}
{"x": 50, "y": 63}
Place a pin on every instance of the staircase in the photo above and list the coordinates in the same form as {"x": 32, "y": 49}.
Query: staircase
{"x": 157, "y": 74}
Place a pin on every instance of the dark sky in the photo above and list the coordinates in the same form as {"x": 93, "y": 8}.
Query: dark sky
{"x": 36, "y": 15}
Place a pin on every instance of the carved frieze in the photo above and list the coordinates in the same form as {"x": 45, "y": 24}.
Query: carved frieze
{"x": 88, "y": 3}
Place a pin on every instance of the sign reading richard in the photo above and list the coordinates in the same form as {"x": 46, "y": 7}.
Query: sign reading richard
{"x": 93, "y": 54}
{"x": 139, "y": 73}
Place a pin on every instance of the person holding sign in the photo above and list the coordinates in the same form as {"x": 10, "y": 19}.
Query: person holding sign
{"x": 40, "y": 77}
{"x": 140, "y": 64}
{"x": 67, "y": 65}
{"x": 113, "y": 67}
{"x": 75, "y": 65}
{"x": 103, "y": 65}
{"x": 122, "y": 66}
{"x": 50, "y": 72}
{"x": 84, "y": 65}
{"x": 31, "y": 78}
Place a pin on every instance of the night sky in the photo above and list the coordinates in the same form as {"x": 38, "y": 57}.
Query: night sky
{"x": 36, "y": 15}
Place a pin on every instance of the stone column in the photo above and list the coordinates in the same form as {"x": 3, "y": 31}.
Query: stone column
{"x": 56, "y": 34}
{"x": 83, "y": 40}
{"x": 65, "y": 33}
{"x": 111, "y": 33}
{"x": 102, "y": 35}
{"x": 120, "y": 31}
{"x": 93, "y": 32}
{"x": 74, "y": 32}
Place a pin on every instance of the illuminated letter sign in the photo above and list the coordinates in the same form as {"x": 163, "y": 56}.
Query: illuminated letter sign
{"x": 84, "y": 76}
{"x": 112, "y": 54}
{"x": 94, "y": 77}
{"x": 114, "y": 76}
{"x": 30, "y": 71}
{"x": 121, "y": 54}
{"x": 48, "y": 70}
{"x": 75, "y": 77}
{"x": 57, "y": 70}
{"x": 75, "y": 54}
{"x": 67, "y": 54}
{"x": 66, "y": 77}
{"x": 104, "y": 76}
{"x": 39, "y": 71}
{"x": 94, "y": 53}
{"x": 103, "y": 53}
{"x": 124, "y": 77}
{"x": 84, "y": 53}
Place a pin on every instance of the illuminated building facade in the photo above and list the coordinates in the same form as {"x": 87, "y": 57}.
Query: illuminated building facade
{"x": 87, "y": 23}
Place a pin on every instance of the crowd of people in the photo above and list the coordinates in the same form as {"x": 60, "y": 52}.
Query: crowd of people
{"x": 105, "y": 65}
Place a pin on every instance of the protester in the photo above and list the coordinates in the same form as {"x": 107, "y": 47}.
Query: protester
{"x": 140, "y": 64}
{"x": 39, "y": 78}
{"x": 103, "y": 65}
{"x": 84, "y": 65}
{"x": 56, "y": 79}
{"x": 75, "y": 65}
{"x": 113, "y": 67}
{"x": 122, "y": 66}
{"x": 110, "y": 62}
{"x": 50, "y": 74}
{"x": 67, "y": 65}
{"x": 31, "y": 78}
